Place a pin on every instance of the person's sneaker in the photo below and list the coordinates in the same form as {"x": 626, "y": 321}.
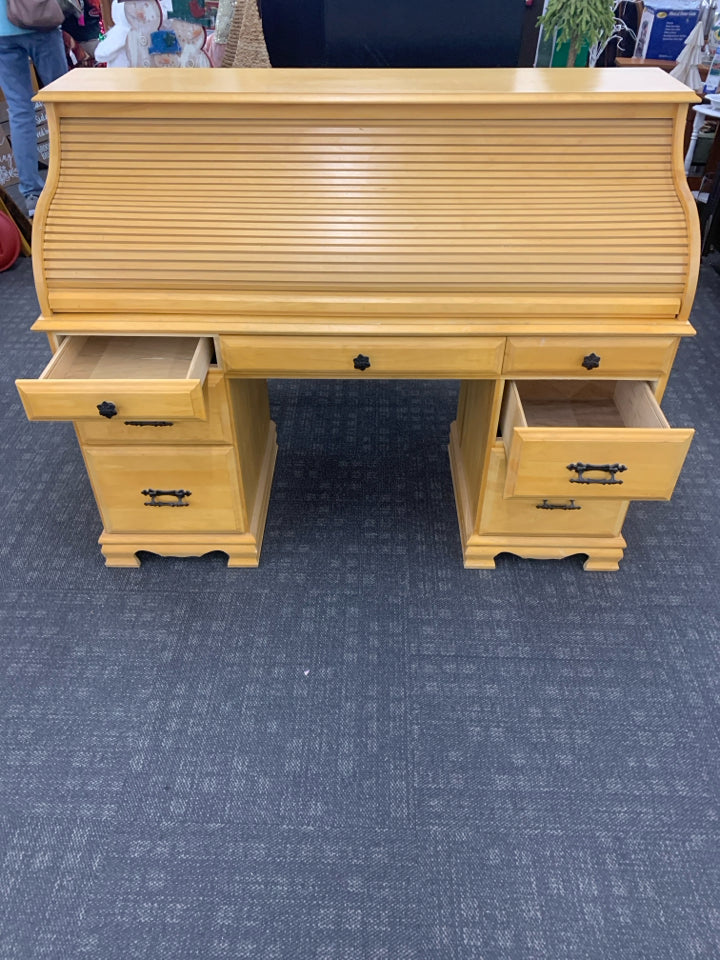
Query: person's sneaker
{"x": 31, "y": 203}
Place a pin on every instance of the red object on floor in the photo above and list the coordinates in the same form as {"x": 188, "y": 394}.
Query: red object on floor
{"x": 9, "y": 242}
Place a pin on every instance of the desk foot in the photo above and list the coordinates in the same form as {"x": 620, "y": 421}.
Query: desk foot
{"x": 118, "y": 555}
{"x": 120, "y": 550}
{"x": 603, "y": 555}
{"x": 479, "y": 560}
{"x": 603, "y": 560}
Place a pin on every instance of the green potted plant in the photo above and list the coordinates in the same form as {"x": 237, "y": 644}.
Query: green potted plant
{"x": 578, "y": 22}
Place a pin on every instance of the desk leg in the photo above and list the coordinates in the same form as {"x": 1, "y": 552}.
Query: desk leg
{"x": 471, "y": 439}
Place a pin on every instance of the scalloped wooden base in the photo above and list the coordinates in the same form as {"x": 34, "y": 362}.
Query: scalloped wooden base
{"x": 602, "y": 554}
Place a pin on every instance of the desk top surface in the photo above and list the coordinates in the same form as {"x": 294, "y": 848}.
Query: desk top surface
{"x": 369, "y": 85}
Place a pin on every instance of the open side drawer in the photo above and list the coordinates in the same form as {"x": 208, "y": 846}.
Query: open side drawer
{"x": 137, "y": 378}
{"x": 591, "y": 439}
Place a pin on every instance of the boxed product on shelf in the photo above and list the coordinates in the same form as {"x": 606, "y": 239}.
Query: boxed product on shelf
{"x": 664, "y": 27}
{"x": 44, "y": 150}
{"x": 712, "y": 81}
{"x": 8, "y": 170}
{"x": 40, "y": 115}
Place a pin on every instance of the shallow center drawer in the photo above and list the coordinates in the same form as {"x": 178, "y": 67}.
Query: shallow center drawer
{"x": 362, "y": 356}
{"x": 600, "y": 439}
{"x": 130, "y": 377}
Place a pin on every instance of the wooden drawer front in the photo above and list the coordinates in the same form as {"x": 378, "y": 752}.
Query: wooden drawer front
{"x": 631, "y": 357}
{"x": 120, "y": 474}
{"x": 422, "y": 357}
{"x": 552, "y": 428}
{"x": 216, "y": 429}
{"x": 545, "y": 516}
{"x": 142, "y": 378}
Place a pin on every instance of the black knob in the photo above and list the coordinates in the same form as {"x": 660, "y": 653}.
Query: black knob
{"x": 107, "y": 409}
{"x": 591, "y": 361}
{"x": 361, "y": 362}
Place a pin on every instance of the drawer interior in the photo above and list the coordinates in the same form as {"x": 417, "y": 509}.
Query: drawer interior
{"x": 130, "y": 358}
{"x": 582, "y": 403}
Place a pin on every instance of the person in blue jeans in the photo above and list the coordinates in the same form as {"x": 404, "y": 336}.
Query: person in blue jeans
{"x": 47, "y": 52}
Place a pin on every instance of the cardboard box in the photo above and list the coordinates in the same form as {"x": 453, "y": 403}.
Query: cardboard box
{"x": 7, "y": 161}
{"x": 8, "y": 170}
{"x": 664, "y": 27}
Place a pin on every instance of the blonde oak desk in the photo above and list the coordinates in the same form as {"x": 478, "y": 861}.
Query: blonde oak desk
{"x": 527, "y": 232}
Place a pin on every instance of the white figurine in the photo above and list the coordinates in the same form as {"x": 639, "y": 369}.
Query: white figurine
{"x": 127, "y": 43}
{"x": 144, "y": 17}
{"x": 192, "y": 38}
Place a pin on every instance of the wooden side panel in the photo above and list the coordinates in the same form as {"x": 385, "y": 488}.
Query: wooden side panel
{"x": 254, "y": 430}
{"x": 478, "y": 408}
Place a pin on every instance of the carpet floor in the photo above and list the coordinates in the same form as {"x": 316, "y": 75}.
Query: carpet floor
{"x": 360, "y": 750}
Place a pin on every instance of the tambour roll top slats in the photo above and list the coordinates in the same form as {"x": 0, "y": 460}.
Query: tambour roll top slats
{"x": 485, "y": 199}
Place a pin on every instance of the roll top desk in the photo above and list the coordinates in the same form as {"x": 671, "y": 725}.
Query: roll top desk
{"x": 527, "y": 232}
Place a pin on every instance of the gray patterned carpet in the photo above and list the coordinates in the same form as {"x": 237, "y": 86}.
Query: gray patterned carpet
{"x": 359, "y": 751}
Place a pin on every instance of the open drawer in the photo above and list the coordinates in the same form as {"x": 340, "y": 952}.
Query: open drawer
{"x": 138, "y": 378}
{"x": 590, "y": 439}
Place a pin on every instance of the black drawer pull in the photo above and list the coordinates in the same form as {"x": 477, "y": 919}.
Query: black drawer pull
{"x": 558, "y": 506}
{"x": 149, "y": 423}
{"x": 611, "y": 468}
{"x": 361, "y": 362}
{"x": 153, "y": 502}
{"x": 107, "y": 409}
{"x": 591, "y": 361}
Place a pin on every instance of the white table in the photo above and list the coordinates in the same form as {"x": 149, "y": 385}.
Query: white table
{"x": 702, "y": 112}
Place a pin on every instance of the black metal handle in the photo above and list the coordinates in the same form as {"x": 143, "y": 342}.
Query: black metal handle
{"x": 558, "y": 506}
{"x": 153, "y": 502}
{"x": 149, "y": 423}
{"x": 361, "y": 362}
{"x": 107, "y": 409}
{"x": 582, "y": 468}
{"x": 591, "y": 361}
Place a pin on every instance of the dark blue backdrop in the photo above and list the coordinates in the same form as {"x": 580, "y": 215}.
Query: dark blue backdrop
{"x": 394, "y": 33}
